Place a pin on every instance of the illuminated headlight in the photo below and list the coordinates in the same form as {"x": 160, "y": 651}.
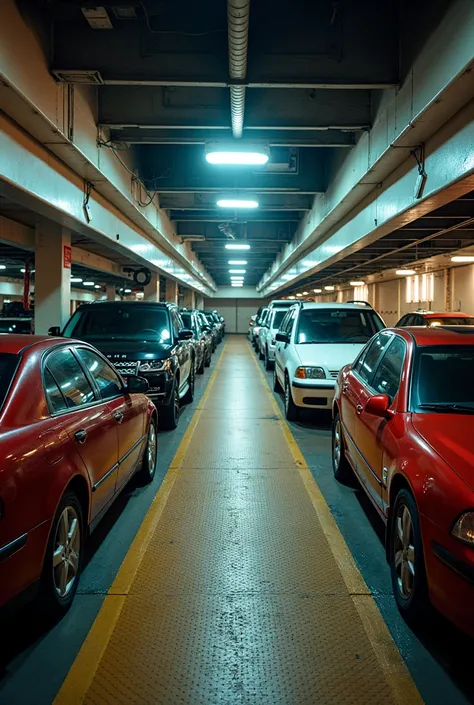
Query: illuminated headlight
{"x": 464, "y": 528}
{"x": 155, "y": 366}
{"x": 310, "y": 373}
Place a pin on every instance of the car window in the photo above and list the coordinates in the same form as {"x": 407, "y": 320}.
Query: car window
{"x": 284, "y": 322}
{"x": 387, "y": 377}
{"x": 444, "y": 375}
{"x": 106, "y": 378}
{"x": 289, "y": 320}
{"x": 402, "y": 322}
{"x": 368, "y": 362}
{"x": 54, "y": 397}
{"x": 336, "y": 325}
{"x": 188, "y": 320}
{"x": 70, "y": 378}
{"x": 176, "y": 322}
{"x": 119, "y": 322}
{"x": 278, "y": 317}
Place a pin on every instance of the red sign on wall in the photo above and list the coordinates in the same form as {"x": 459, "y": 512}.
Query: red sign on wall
{"x": 67, "y": 257}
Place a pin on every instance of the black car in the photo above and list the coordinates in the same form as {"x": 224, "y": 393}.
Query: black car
{"x": 215, "y": 324}
{"x": 142, "y": 338}
{"x": 212, "y": 325}
{"x": 200, "y": 341}
{"x": 208, "y": 336}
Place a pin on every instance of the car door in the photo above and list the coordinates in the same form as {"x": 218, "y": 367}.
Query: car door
{"x": 88, "y": 422}
{"x": 183, "y": 349}
{"x": 280, "y": 349}
{"x": 369, "y": 429}
{"x": 126, "y": 410}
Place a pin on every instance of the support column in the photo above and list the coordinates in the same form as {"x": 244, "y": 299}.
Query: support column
{"x": 199, "y": 301}
{"x": 110, "y": 292}
{"x": 172, "y": 291}
{"x": 189, "y": 298}
{"x": 152, "y": 290}
{"x": 52, "y": 278}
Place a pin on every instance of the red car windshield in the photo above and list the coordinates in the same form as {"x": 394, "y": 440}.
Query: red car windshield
{"x": 444, "y": 378}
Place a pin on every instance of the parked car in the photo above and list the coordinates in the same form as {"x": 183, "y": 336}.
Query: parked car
{"x": 430, "y": 318}
{"x": 142, "y": 338}
{"x": 258, "y": 324}
{"x": 212, "y": 325}
{"x": 73, "y": 433}
{"x": 403, "y": 415}
{"x": 206, "y": 332}
{"x": 255, "y": 324}
{"x": 251, "y": 326}
{"x": 191, "y": 322}
{"x": 267, "y": 337}
{"x": 314, "y": 341}
{"x": 214, "y": 319}
{"x": 23, "y": 326}
{"x": 261, "y": 327}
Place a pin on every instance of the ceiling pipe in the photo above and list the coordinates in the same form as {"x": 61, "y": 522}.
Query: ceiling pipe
{"x": 238, "y": 12}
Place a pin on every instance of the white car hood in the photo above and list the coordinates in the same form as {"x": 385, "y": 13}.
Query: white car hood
{"x": 332, "y": 356}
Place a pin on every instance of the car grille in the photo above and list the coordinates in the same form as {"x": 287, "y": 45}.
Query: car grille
{"x": 126, "y": 367}
{"x": 334, "y": 373}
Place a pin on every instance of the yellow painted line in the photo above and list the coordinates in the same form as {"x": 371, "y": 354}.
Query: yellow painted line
{"x": 403, "y": 688}
{"x": 82, "y": 672}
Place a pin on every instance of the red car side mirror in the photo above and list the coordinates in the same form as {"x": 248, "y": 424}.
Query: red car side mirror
{"x": 379, "y": 405}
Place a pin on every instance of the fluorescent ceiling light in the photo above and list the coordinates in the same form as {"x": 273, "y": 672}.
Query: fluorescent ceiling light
{"x": 89, "y": 283}
{"x": 292, "y": 298}
{"x": 287, "y": 276}
{"x": 237, "y": 284}
{"x": 237, "y": 247}
{"x": 305, "y": 293}
{"x": 329, "y": 288}
{"x": 463, "y": 258}
{"x": 237, "y": 271}
{"x": 237, "y": 153}
{"x": 237, "y": 203}
{"x": 318, "y": 291}
{"x": 357, "y": 283}
{"x": 127, "y": 291}
{"x": 405, "y": 272}
{"x": 3, "y": 266}
{"x": 237, "y": 261}
{"x": 97, "y": 286}
{"x": 299, "y": 294}
{"x": 77, "y": 280}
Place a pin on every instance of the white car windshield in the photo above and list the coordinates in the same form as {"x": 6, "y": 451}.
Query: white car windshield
{"x": 332, "y": 325}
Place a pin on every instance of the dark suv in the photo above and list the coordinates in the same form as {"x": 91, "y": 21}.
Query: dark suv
{"x": 146, "y": 339}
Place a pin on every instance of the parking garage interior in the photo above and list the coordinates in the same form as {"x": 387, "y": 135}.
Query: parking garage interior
{"x": 243, "y": 572}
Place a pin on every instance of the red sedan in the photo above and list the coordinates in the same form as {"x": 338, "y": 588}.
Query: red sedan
{"x": 403, "y": 423}
{"x": 72, "y": 434}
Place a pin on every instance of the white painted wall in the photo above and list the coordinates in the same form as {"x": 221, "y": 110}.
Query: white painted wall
{"x": 462, "y": 284}
{"x": 236, "y": 311}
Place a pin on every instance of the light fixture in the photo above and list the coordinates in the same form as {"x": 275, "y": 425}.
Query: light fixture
{"x": 2, "y": 266}
{"x": 237, "y": 284}
{"x": 405, "y": 272}
{"x": 292, "y": 298}
{"x": 329, "y": 288}
{"x": 237, "y": 153}
{"x": 318, "y": 291}
{"x": 76, "y": 280}
{"x": 237, "y": 246}
{"x": 237, "y": 203}
{"x": 89, "y": 283}
{"x": 299, "y": 294}
{"x": 237, "y": 271}
{"x": 22, "y": 270}
{"x": 97, "y": 286}
{"x": 287, "y": 276}
{"x": 237, "y": 261}
{"x": 357, "y": 283}
{"x": 305, "y": 293}
{"x": 127, "y": 291}
{"x": 462, "y": 258}
{"x": 237, "y": 279}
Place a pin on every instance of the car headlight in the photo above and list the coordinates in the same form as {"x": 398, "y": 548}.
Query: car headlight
{"x": 464, "y": 528}
{"x": 155, "y": 366}
{"x": 310, "y": 373}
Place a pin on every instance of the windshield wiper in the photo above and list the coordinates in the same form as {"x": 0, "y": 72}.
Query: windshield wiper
{"x": 442, "y": 406}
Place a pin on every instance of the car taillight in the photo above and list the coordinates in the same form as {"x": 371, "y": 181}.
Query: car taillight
{"x": 252, "y": 323}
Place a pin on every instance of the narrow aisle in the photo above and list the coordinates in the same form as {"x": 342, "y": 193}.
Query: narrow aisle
{"x": 231, "y": 592}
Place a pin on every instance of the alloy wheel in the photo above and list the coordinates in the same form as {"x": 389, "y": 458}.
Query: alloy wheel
{"x": 176, "y": 403}
{"x": 67, "y": 548}
{"x": 404, "y": 551}
{"x": 151, "y": 448}
{"x": 336, "y": 444}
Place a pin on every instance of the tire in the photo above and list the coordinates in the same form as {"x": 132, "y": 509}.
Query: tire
{"x": 261, "y": 356}
{"x": 267, "y": 362}
{"x": 340, "y": 465}
{"x": 146, "y": 473}
{"x": 276, "y": 384}
{"x": 65, "y": 575}
{"x": 189, "y": 396}
{"x": 409, "y": 575}
{"x": 292, "y": 412}
{"x": 207, "y": 362}
{"x": 168, "y": 414}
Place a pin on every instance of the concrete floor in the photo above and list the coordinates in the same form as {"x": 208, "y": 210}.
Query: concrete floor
{"x": 34, "y": 662}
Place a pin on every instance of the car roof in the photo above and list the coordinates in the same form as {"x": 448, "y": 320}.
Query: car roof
{"x": 15, "y": 343}
{"x": 313, "y": 304}
{"x": 440, "y": 335}
{"x": 108, "y": 304}
{"x": 442, "y": 314}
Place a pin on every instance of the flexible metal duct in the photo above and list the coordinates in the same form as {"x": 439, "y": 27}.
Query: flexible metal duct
{"x": 238, "y": 23}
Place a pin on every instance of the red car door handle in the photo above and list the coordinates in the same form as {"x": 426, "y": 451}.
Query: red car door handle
{"x": 81, "y": 436}
{"x": 359, "y": 408}
{"x": 118, "y": 416}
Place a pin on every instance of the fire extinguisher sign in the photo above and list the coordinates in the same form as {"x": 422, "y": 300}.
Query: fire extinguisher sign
{"x": 67, "y": 257}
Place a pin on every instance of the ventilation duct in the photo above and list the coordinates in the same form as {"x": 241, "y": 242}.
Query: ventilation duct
{"x": 238, "y": 27}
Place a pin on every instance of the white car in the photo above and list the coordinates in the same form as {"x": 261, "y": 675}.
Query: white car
{"x": 267, "y": 335}
{"x": 314, "y": 342}
{"x": 258, "y": 326}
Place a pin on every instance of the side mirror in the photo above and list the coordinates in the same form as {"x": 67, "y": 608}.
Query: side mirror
{"x": 136, "y": 385}
{"x": 185, "y": 334}
{"x": 282, "y": 337}
{"x": 379, "y": 405}
{"x": 55, "y": 331}
{"x": 206, "y": 329}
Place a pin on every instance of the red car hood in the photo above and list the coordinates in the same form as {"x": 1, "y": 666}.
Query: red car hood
{"x": 452, "y": 437}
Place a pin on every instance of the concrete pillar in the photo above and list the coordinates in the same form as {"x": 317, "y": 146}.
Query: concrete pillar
{"x": 172, "y": 291}
{"x": 152, "y": 290}
{"x": 199, "y": 301}
{"x": 110, "y": 292}
{"x": 189, "y": 298}
{"x": 52, "y": 276}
